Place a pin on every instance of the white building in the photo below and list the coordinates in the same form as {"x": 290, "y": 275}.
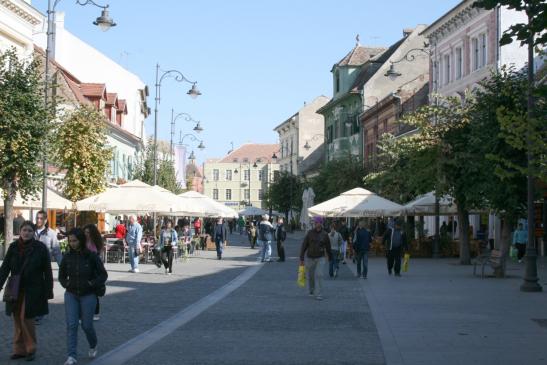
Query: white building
{"x": 301, "y": 138}
{"x": 18, "y": 22}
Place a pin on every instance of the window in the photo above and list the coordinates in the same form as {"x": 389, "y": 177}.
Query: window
{"x": 459, "y": 63}
{"x": 228, "y": 175}
{"x": 260, "y": 175}
{"x": 247, "y": 175}
{"x": 482, "y": 45}
{"x": 228, "y": 194}
{"x": 215, "y": 194}
{"x": 260, "y": 194}
{"x": 247, "y": 194}
{"x": 385, "y": 126}
{"x": 337, "y": 81}
{"x": 475, "y": 54}
{"x": 329, "y": 134}
{"x": 446, "y": 68}
{"x": 436, "y": 80}
{"x": 215, "y": 174}
{"x": 276, "y": 175}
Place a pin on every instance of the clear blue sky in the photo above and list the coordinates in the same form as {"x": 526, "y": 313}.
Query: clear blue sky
{"x": 256, "y": 62}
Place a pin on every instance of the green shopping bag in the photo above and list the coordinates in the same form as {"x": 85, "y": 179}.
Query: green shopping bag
{"x": 301, "y": 281}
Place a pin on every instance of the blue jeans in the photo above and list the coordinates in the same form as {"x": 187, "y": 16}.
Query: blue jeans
{"x": 133, "y": 257}
{"x": 334, "y": 263}
{"x": 266, "y": 250}
{"x": 56, "y": 252}
{"x": 220, "y": 247}
{"x": 77, "y": 308}
{"x": 362, "y": 260}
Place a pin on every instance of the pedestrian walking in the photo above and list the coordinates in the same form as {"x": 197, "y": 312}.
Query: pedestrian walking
{"x": 336, "y": 243}
{"x": 361, "y": 245}
{"x": 197, "y": 226}
{"x": 344, "y": 232}
{"x": 280, "y": 237}
{"x": 315, "y": 246}
{"x": 394, "y": 241}
{"x": 241, "y": 224}
{"x": 83, "y": 276}
{"x": 120, "y": 230}
{"x": 265, "y": 236}
{"x": 17, "y": 222}
{"x": 221, "y": 235}
{"x": 168, "y": 239}
{"x": 252, "y": 234}
{"x": 48, "y": 236}
{"x": 28, "y": 289}
{"x": 520, "y": 239}
{"x": 94, "y": 243}
{"x": 133, "y": 239}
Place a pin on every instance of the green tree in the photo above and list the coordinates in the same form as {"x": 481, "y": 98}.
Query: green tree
{"x": 337, "y": 176}
{"x": 23, "y": 130}
{"x": 284, "y": 191}
{"x": 166, "y": 177}
{"x": 81, "y": 148}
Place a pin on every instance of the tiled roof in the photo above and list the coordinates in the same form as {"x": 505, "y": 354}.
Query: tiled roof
{"x": 93, "y": 89}
{"x": 122, "y": 106}
{"x": 359, "y": 55}
{"x": 111, "y": 98}
{"x": 251, "y": 152}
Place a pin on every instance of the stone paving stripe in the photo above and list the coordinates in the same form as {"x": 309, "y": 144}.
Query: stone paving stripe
{"x": 392, "y": 353}
{"x": 136, "y": 345}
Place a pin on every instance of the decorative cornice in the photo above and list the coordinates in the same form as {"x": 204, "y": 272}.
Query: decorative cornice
{"x": 20, "y": 12}
{"x": 452, "y": 21}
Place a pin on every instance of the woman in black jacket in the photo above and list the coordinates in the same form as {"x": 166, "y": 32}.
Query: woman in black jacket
{"x": 83, "y": 276}
{"x": 30, "y": 259}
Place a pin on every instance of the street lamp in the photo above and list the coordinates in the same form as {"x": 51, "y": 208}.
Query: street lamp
{"x": 188, "y": 118}
{"x": 313, "y": 138}
{"x": 410, "y": 56}
{"x": 192, "y": 156}
{"x": 201, "y": 146}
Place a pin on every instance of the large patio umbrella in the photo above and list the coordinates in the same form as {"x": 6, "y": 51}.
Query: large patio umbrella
{"x": 251, "y": 211}
{"x": 356, "y": 202}
{"x": 132, "y": 197}
{"x": 199, "y": 205}
{"x": 425, "y": 205}
{"x": 54, "y": 201}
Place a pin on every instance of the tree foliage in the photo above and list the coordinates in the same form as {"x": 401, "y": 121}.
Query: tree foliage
{"x": 23, "y": 130}
{"x": 537, "y": 20}
{"x": 166, "y": 177}
{"x": 285, "y": 190}
{"x": 81, "y": 148}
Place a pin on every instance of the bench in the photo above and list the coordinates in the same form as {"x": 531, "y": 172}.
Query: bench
{"x": 494, "y": 258}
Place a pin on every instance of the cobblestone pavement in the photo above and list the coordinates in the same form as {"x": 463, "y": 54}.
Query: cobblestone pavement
{"x": 268, "y": 320}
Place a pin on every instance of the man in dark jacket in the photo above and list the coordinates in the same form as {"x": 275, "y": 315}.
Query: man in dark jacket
{"x": 315, "y": 245}
{"x": 361, "y": 245}
{"x": 394, "y": 242}
{"x": 220, "y": 235}
{"x": 280, "y": 236}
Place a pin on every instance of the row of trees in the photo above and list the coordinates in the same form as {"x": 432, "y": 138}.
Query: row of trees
{"x": 73, "y": 137}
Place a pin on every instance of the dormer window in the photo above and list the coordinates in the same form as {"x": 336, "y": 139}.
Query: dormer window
{"x": 337, "y": 81}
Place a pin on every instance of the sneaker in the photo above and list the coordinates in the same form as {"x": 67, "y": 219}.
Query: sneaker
{"x": 319, "y": 297}
{"x": 93, "y": 352}
{"x": 97, "y": 317}
{"x": 136, "y": 270}
{"x": 166, "y": 271}
{"x": 131, "y": 270}
{"x": 71, "y": 361}
{"x": 169, "y": 273}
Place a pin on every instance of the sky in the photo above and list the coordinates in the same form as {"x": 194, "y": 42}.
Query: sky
{"x": 255, "y": 61}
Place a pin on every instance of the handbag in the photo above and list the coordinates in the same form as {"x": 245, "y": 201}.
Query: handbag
{"x": 11, "y": 291}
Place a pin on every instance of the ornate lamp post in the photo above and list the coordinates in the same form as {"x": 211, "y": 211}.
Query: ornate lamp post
{"x": 313, "y": 138}
{"x": 188, "y": 118}
{"x": 104, "y": 22}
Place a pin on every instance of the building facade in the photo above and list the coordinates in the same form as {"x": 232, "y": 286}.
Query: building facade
{"x": 342, "y": 130}
{"x": 301, "y": 138}
{"x": 18, "y": 22}
{"x": 242, "y": 177}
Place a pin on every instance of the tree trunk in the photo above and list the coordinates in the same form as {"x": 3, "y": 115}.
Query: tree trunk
{"x": 8, "y": 217}
{"x": 505, "y": 244}
{"x": 463, "y": 218}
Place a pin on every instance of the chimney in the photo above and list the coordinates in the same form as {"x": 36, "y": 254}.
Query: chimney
{"x": 407, "y": 32}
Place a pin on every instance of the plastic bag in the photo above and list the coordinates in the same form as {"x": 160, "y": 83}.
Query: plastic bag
{"x": 406, "y": 259}
{"x": 301, "y": 281}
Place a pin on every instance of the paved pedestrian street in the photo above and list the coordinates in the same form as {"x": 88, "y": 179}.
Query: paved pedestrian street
{"x": 240, "y": 311}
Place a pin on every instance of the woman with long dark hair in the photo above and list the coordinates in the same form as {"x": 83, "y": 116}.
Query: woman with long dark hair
{"x": 83, "y": 276}
{"x": 94, "y": 243}
{"x": 29, "y": 260}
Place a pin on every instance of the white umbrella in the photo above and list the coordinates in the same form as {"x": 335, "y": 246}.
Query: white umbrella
{"x": 132, "y": 197}
{"x": 200, "y": 205}
{"x": 54, "y": 201}
{"x": 425, "y": 205}
{"x": 357, "y": 202}
{"x": 252, "y": 211}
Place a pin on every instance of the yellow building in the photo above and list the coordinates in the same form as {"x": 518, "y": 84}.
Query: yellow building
{"x": 242, "y": 177}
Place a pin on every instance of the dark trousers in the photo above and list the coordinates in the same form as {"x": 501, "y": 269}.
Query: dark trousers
{"x": 97, "y": 307}
{"x": 280, "y": 250}
{"x": 394, "y": 259}
{"x": 219, "y": 243}
{"x": 167, "y": 257}
{"x": 521, "y": 247}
